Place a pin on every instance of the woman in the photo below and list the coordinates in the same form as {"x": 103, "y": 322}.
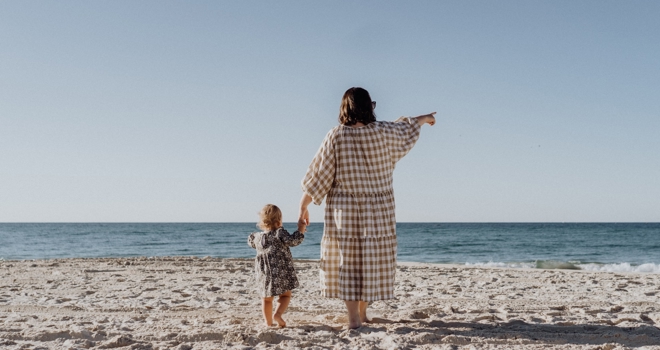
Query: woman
{"x": 353, "y": 168}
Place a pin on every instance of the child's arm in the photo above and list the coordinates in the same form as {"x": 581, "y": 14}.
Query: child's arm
{"x": 251, "y": 241}
{"x": 290, "y": 239}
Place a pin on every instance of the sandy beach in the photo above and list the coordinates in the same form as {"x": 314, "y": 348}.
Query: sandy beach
{"x": 209, "y": 303}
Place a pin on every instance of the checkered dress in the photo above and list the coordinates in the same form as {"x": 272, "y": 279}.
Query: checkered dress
{"x": 353, "y": 168}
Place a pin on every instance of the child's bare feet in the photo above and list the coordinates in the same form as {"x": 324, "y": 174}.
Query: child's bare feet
{"x": 282, "y": 304}
{"x": 267, "y": 309}
{"x": 279, "y": 320}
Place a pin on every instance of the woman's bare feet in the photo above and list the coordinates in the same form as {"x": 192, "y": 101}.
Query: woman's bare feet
{"x": 356, "y": 327}
{"x": 363, "y": 312}
{"x": 354, "y": 320}
{"x": 279, "y": 320}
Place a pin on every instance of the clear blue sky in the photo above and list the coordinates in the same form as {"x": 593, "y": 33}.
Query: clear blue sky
{"x": 122, "y": 111}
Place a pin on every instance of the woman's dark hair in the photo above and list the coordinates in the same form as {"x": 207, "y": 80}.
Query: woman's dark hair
{"x": 356, "y": 107}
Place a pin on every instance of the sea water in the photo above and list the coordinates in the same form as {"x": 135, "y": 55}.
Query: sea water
{"x": 621, "y": 247}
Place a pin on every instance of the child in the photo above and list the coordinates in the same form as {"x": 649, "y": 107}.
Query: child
{"x": 274, "y": 270}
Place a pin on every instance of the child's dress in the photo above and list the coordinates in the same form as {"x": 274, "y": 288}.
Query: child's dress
{"x": 273, "y": 265}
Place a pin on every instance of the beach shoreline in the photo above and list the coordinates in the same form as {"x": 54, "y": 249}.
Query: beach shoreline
{"x": 210, "y": 303}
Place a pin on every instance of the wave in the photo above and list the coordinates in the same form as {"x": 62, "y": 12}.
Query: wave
{"x": 574, "y": 265}
{"x": 514, "y": 265}
{"x": 622, "y": 267}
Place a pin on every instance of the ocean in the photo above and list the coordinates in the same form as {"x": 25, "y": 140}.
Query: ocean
{"x": 617, "y": 247}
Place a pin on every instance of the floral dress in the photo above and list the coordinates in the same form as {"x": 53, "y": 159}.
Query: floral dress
{"x": 273, "y": 266}
{"x": 353, "y": 171}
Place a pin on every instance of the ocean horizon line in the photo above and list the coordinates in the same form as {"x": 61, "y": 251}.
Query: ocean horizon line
{"x": 556, "y": 244}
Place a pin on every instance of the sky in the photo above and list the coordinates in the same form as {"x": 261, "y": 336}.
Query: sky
{"x": 204, "y": 111}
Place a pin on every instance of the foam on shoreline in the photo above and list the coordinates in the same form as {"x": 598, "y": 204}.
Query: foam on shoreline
{"x": 569, "y": 265}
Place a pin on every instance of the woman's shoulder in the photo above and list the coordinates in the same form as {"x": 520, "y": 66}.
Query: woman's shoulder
{"x": 399, "y": 124}
{"x": 386, "y": 123}
{"x": 335, "y": 130}
{"x": 332, "y": 134}
{"x": 340, "y": 129}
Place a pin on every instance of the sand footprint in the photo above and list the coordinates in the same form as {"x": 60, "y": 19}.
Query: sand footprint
{"x": 616, "y": 309}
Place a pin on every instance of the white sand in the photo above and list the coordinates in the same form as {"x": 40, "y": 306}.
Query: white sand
{"x": 194, "y": 303}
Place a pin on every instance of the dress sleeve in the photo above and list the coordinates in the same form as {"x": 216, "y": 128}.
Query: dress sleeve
{"x": 321, "y": 172}
{"x": 251, "y": 241}
{"x": 400, "y": 136}
{"x": 290, "y": 239}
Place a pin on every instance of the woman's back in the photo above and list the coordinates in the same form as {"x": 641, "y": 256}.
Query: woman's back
{"x": 362, "y": 159}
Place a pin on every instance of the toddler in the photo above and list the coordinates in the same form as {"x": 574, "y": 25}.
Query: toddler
{"x": 274, "y": 270}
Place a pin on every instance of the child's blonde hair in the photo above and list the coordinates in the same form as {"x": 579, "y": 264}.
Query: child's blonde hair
{"x": 270, "y": 217}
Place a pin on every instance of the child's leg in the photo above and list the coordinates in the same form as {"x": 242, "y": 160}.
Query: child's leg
{"x": 282, "y": 304}
{"x": 267, "y": 308}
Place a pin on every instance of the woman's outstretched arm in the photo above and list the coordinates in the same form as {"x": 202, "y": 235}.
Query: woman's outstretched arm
{"x": 303, "y": 214}
{"x": 426, "y": 118}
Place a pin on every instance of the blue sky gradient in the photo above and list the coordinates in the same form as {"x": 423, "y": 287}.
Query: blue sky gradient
{"x": 160, "y": 111}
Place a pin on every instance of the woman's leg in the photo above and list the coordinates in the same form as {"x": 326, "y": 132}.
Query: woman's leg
{"x": 282, "y": 304}
{"x": 363, "y": 311}
{"x": 267, "y": 309}
{"x": 353, "y": 308}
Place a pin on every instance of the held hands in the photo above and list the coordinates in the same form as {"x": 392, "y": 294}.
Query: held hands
{"x": 303, "y": 220}
{"x": 302, "y": 228}
{"x": 303, "y": 214}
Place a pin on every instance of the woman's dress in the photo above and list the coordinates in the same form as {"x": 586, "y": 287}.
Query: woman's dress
{"x": 353, "y": 168}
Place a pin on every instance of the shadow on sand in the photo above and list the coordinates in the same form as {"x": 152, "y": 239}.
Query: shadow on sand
{"x": 460, "y": 333}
